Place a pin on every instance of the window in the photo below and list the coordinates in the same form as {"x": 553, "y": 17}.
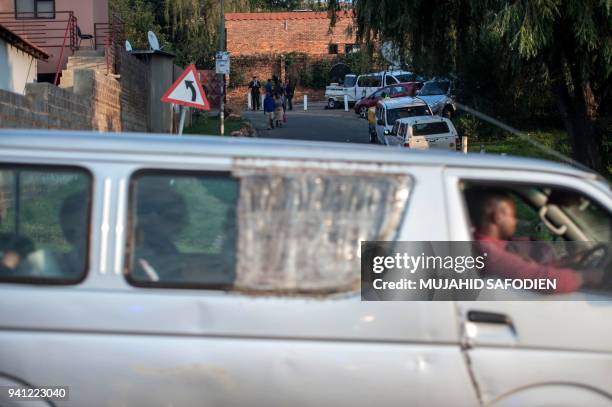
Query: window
{"x": 407, "y": 77}
{"x": 183, "y": 229}
{"x": 264, "y": 228}
{"x": 350, "y": 48}
{"x": 44, "y": 223}
{"x": 34, "y": 8}
{"x": 332, "y": 49}
{"x": 401, "y": 112}
{"x": 376, "y": 81}
{"x": 426, "y": 129}
{"x": 552, "y": 226}
{"x": 390, "y": 80}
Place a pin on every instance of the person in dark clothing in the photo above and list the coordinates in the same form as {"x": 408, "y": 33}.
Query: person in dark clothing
{"x": 254, "y": 87}
{"x": 269, "y": 110}
{"x": 269, "y": 87}
{"x": 289, "y": 93}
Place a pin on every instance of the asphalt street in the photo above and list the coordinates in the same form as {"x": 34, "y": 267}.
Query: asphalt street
{"x": 317, "y": 124}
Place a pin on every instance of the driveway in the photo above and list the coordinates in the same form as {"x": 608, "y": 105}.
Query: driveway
{"x": 317, "y": 124}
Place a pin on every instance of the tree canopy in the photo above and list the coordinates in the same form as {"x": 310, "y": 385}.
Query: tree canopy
{"x": 564, "y": 47}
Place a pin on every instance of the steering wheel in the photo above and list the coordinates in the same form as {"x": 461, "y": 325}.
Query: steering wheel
{"x": 597, "y": 256}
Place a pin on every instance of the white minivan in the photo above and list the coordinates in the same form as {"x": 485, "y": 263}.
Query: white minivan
{"x": 150, "y": 270}
{"x": 357, "y": 87}
{"x": 388, "y": 111}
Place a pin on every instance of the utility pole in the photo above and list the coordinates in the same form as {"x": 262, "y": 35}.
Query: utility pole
{"x": 222, "y": 48}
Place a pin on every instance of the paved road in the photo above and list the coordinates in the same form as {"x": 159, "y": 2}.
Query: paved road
{"x": 317, "y": 123}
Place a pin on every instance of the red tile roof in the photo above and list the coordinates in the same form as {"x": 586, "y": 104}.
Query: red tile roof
{"x": 293, "y": 15}
{"x": 21, "y": 43}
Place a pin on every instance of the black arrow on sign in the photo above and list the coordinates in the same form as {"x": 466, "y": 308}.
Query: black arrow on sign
{"x": 189, "y": 85}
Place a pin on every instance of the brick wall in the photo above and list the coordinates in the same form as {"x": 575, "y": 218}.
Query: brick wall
{"x": 278, "y": 33}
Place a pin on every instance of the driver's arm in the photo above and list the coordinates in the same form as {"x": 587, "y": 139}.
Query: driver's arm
{"x": 505, "y": 264}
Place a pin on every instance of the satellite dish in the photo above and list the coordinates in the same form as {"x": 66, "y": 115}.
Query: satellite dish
{"x": 153, "y": 43}
{"x": 390, "y": 52}
{"x": 128, "y": 46}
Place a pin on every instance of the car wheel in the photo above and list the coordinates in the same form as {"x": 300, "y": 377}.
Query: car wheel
{"x": 331, "y": 103}
{"x": 363, "y": 112}
{"x": 447, "y": 112}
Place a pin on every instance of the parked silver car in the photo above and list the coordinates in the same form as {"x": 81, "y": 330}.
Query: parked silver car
{"x": 437, "y": 96}
{"x": 217, "y": 271}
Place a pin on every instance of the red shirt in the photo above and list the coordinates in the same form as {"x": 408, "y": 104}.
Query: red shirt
{"x": 505, "y": 264}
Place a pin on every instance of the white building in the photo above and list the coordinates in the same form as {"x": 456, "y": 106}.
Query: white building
{"x": 18, "y": 61}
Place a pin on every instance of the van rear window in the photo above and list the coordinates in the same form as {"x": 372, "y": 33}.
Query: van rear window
{"x": 399, "y": 113}
{"x": 426, "y": 129}
{"x": 44, "y": 224}
{"x": 269, "y": 229}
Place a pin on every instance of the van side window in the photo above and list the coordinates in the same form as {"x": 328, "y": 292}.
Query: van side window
{"x": 376, "y": 81}
{"x": 572, "y": 230}
{"x": 44, "y": 224}
{"x": 182, "y": 229}
{"x": 260, "y": 228}
{"x": 362, "y": 81}
{"x": 390, "y": 80}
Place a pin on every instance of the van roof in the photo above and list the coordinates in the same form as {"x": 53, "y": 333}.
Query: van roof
{"x": 405, "y": 101}
{"x": 422, "y": 119}
{"x": 388, "y": 72}
{"x": 134, "y": 147}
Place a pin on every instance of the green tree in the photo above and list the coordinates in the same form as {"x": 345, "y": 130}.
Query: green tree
{"x": 566, "y": 43}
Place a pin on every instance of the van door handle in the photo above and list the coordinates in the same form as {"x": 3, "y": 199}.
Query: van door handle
{"x": 486, "y": 317}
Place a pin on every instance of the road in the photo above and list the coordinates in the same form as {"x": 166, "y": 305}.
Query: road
{"x": 317, "y": 124}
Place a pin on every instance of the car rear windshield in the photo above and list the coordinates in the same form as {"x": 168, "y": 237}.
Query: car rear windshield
{"x": 401, "y": 112}
{"x": 267, "y": 229}
{"x": 406, "y": 77}
{"x": 426, "y": 129}
{"x": 431, "y": 89}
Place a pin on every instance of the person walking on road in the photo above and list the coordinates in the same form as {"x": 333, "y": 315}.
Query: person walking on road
{"x": 289, "y": 93}
{"x": 278, "y": 110}
{"x": 268, "y": 106}
{"x": 372, "y": 123}
{"x": 269, "y": 87}
{"x": 254, "y": 87}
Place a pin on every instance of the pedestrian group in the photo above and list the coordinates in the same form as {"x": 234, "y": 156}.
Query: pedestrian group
{"x": 278, "y": 99}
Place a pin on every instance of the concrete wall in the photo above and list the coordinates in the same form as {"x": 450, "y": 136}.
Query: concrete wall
{"x": 160, "y": 70}
{"x": 16, "y": 68}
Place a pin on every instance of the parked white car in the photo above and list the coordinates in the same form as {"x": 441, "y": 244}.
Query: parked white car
{"x": 389, "y": 110}
{"x": 424, "y": 132}
{"x": 357, "y": 87}
{"x": 220, "y": 271}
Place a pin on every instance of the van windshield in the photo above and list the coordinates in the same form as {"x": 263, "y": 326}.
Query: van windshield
{"x": 349, "y": 81}
{"x": 426, "y": 129}
{"x": 410, "y": 111}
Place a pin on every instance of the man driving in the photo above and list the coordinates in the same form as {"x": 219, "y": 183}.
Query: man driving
{"x": 493, "y": 215}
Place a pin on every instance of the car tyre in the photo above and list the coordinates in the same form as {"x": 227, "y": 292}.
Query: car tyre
{"x": 331, "y": 103}
{"x": 363, "y": 112}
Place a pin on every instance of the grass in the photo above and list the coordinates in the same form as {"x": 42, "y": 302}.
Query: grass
{"x": 513, "y": 145}
{"x": 205, "y": 125}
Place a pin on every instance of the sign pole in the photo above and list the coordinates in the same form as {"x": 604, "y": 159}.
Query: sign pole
{"x": 222, "y": 48}
{"x": 182, "y": 120}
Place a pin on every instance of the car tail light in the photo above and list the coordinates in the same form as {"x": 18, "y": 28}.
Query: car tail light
{"x": 406, "y": 144}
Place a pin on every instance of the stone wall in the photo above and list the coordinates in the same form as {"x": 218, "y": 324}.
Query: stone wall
{"x": 94, "y": 102}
